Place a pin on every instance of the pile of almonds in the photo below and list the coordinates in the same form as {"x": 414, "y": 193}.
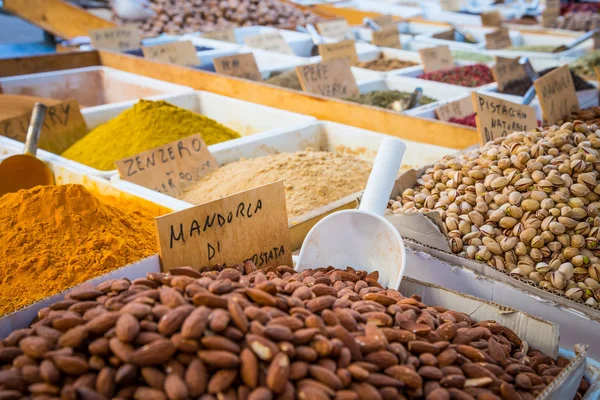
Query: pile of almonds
{"x": 243, "y": 333}
{"x": 177, "y": 17}
{"x": 527, "y": 204}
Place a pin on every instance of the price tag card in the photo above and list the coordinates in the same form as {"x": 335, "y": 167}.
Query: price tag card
{"x": 227, "y": 35}
{"x": 451, "y": 5}
{"x": 553, "y": 6}
{"x": 384, "y": 19}
{"x": 342, "y": 49}
{"x": 179, "y": 53}
{"x": 335, "y": 29}
{"x": 499, "y": 39}
{"x": 250, "y": 225}
{"x": 557, "y": 95}
{"x": 272, "y": 41}
{"x": 330, "y": 78}
{"x": 240, "y": 65}
{"x": 498, "y": 118}
{"x": 63, "y": 126}
{"x": 491, "y": 18}
{"x": 455, "y": 109}
{"x": 171, "y": 168}
{"x": 506, "y": 70}
{"x": 122, "y": 38}
{"x": 388, "y": 36}
{"x": 436, "y": 58}
{"x": 445, "y": 35}
{"x": 549, "y": 17}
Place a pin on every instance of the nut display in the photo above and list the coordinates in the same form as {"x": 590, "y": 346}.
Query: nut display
{"x": 585, "y": 65}
{"x": 527, "y": 204}
{"x": 589, "y": 116}
{"x": 385, "y": 64}
{"x": 468, "y": 76}
{"x": 243, "y": 333}
{"x": 577, "y": 21}
{"x": 177, "y": 17}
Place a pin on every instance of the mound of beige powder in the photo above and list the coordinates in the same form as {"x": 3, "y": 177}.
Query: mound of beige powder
{"x": 312, "y": 179}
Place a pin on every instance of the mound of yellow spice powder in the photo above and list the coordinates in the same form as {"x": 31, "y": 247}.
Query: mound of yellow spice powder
{"x": 145, "y": 126}
{"x": 56, "y": 237}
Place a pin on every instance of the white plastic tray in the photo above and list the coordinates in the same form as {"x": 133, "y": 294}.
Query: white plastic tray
{"x": 477, "y": 32}
{"x": 535, "y": 39}
{"x": 415, "y": 72}
{"x": 93, "y": 87}
{"x": 322, "y": 135}
{"x": 244, "y": 117}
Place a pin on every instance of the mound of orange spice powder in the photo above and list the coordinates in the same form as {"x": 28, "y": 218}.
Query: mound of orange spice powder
{"x": 55, "y": 237}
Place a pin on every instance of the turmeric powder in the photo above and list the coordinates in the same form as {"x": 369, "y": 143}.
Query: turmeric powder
{"x": 56, "y": 237}
{"x": 145, "y": 126}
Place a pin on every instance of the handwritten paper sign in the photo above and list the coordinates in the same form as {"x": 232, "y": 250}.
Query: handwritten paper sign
{"x": 330, "y": 78}
{"x": 384, "y": 19}
{"x": 499, "y": 118}
{"x": 63, "y": 126}
{"x": 240, "y": 65}
{"x": 342, "y": 49}
{"x": 455, "y": 109}
{"x": 388, "y": 36}
{"x": 121, "y": 38}
{"x": 553, "y": 6}
{"x": 171, "y": 168}
{"x": 272, "y": 41}
{"x": 250, "y": 225}
{"x": 451, "y": 5}
{"x": 491, "y": 18}
{"x": 436, "y": 58}
{"x": 227, "y": 35}
{"x": 507, "y": 70}
{"x": 549, "y": 17}
{"x": 557, "y": 95}
{"x": 444, "y": 35}
{"x": 335, "y": 29}
{"x": 498, "y": 39}
{"x": 179, "y": 53}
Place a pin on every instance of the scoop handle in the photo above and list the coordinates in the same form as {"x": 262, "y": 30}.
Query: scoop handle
{"x": 383, "y": 175}
{"x": 35, "y": 128}
{"x": 316, "y": 38}
{"x": 581, "y": 39}
{"x": 371, "y": 24}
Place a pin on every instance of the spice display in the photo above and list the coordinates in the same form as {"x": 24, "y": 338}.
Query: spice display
{"x": 467, "y": 76}
{"x": 240, "y": 332}
{"x": 386, "y": 98}
{"x": 536, "y": 48}
{"x": 471, "y": 56}
{"x": 56, "y": 237}
{"x": 527, "y": 204}
{"x": 519, "y": 87}
{"x": 178, "y": 17}
{"x": 585, "y": 65}
{"x": 312, "y": 179}
{"x": 385, "y": 64}
{"x": 286, "y": 79}
{"x": 577, "y": 21}
{"x": 147, "y": 125}
{"x": 469, "y": 120}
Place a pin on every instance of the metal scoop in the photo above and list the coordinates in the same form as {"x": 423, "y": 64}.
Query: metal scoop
{"x": 534, "y": 76}
{"x": 411, "y": 102}
{"x": 24, "y": 171}
{"x": 362, "y": 238}
{"x": 316, "y": 38}
{"x": 469, "y": 38}
{"x": 576, "y": 42}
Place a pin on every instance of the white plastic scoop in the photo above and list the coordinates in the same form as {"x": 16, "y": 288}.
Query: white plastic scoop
{"x": 362, "y": 238}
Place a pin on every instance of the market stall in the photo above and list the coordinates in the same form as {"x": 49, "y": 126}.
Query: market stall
{"x": 339, "y": 200}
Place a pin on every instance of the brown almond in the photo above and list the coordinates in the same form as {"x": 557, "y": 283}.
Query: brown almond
{"x": 127, "y": 328}
{"x": 49, "y": 372}
{"x": 218, "y": 320}
{"x": 237, "y": 315}
{"x": 508, "y": 392}
{"x": 34, "y": 346}
{"x": 431, "y": 372}
{"x": 261, "y": 297}
{"x": 219, "y": 358}
{"x": 405, "y": 374}
{"x": 278, "y": 373}
{"x": 146, "y": 393}
{"x": 325, "y": 376}
{"x": 195, "y": 323}
{"x": 439, "y": 394}
{"x": 105, "y": 382}
{"x": 175, "y": 387}
{"x": 73, "y": 337}
{"x": 221, "y": 380}
{"x": 103, "y": 322}
{"x": 420, "y": 347}
{"x": 138, "y": 310}
{"x": 71, "y": 365}
{"x": 398, "y": 335}
{"x": 196, "y": 378}
{"x": 172, "y": 321}
{"x": 249, "y": 368}
{"x": 122, "y": 350}
{"x": 209, "y": 300}
{"x": 153, "y": 377}
{"x": 319, "y": 304}
{"x": 416, "y": 328}
{"x": 497, "y": 352}
{"x": 262, "y": 347}
{"x": 471, "y": 353}
{"x": 155, "y": 353}
{"x": 216, "y": 342}
{"x": 453, "y": 381}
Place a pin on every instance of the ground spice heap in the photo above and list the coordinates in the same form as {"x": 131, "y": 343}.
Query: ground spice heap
{"x": 56, "y": 237}
{"x": 467, "y": 76}
{"x": 469, "y": 120}
{"x": 312, "y": 178}
{"x": 385, "y": 64}
{"x": 519, "y": 87}
{"x": 147, "y": 125}
{"x": 288, "y": 80}
{"x": 386, "y": 98}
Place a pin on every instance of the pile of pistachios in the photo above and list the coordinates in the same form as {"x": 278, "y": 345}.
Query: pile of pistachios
{"x": 527, "y": 204}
